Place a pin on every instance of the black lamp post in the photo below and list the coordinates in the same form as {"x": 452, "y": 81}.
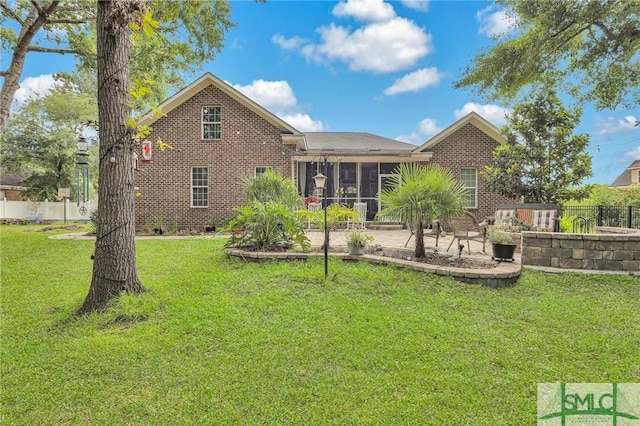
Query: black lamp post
{"x": 82, "y": 172}
{"x": 320, "y": 181}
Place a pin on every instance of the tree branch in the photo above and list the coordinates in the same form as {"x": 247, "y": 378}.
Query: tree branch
{"x": 38, "y": 7}
{"x": 52, "y": 7}
{"x": 604, "y": 29}
{"x": 51, "y": 50}
{"x": 561, "y": 30}
{"x": 70, "y": 21}
{"x": 10, "y": 12}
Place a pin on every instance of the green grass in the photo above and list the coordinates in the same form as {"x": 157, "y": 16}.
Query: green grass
{"x": 220, "y": 341}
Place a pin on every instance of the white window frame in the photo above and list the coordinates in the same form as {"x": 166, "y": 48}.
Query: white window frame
{"x": 256, "y": 173}
{"x": 468, "y": 187}
{"x": 218, "y": 123}
{"x": 193, "y": 169}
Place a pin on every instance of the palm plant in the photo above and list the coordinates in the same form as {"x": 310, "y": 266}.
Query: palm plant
{"x": 272, "y": 186}
{"x": 266, "y": 226}
{"x": 421, "y": 194}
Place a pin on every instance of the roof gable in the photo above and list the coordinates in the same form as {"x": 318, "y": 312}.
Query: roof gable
{"x": 625, "y": 178}
{"x": 473, "y": 118}
{"x": 205, "y": 81}
{"x": 634, "y": 165}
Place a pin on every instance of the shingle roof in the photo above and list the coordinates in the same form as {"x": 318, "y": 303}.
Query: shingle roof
{"x": 625, "y": 177}
{"x": 10, "y": 179}
{"x": 350, "y": 142}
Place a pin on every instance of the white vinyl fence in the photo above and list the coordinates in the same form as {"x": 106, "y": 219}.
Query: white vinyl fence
{"x": 46, "y": 210}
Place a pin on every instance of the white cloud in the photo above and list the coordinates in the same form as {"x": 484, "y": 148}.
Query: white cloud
{"x": 613, "y": 125}
{"x": 303, "y": 122}
{"x": 422, "y": 5}
{"x": 493, "y": 113}
{"x": 415, "y": 81}
{"x": 384, "y": 43}
{"x": 365, "y": 10}
{"x": 287, "y": 44}
{"x": 495, "y": 23}
{"x": 269, "y": 93}
{"x": 33, "y": 88}
{"x": 279, "y": 97}
{"x": 379, "y": 47}
{"x": 426, "y": 128}
{"x": 632, "y": 155}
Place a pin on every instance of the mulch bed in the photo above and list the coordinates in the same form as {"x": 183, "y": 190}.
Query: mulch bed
{"x": 435, "y": 258}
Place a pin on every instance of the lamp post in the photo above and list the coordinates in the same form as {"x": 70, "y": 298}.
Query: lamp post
{"x": 320, "y": 181}
{"x": 82, "y": 173}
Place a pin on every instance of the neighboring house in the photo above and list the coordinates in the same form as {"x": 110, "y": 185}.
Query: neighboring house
{"x": 11, "y": 186}
{"x": 629, "y": 177}
{"x": 218, "y": 136}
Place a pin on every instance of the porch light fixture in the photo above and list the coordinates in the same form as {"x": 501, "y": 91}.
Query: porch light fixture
{"x": 320, "y": 181}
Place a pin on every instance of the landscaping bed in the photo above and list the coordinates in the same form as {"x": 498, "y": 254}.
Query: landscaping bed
{"x": 435, "y": 258}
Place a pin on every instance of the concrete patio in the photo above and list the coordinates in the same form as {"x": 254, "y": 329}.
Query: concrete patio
{"x": 398, "y": 238}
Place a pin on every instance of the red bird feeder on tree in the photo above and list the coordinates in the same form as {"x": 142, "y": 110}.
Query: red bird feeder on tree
{"x": 146, "y": 152}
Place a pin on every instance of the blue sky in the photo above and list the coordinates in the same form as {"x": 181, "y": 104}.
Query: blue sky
{"x": 385, "y": 68}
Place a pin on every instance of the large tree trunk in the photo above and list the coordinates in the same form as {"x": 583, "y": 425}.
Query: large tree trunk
{"x": 114, "y": 268}
{"x": 420, "y": 251}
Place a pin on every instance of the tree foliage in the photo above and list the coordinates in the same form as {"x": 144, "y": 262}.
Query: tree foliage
{"x": 604, "y": 195}
{"x": 420, "y": 195}
{"x": 589, "y": 48}
{"x": 542, "y": 162}
{"x": 179, "y": 36}
{"x": 40, "y": 141}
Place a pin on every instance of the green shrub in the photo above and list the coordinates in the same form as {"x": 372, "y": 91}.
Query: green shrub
{"x": 337, "y": 214}
{"x": 266, "y": 226}
{"x": 566, "y": 223}
{"x": 500, "y": 236}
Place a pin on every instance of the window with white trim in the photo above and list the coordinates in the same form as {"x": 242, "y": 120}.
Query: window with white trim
{"x": 260, "y": 170}
{"x": 211, "y": 122}
{"x": 199, "y": 187}
{"x": 469, "y": 180}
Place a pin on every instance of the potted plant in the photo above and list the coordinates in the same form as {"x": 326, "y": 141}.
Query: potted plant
{"x": 357, "y": 241}
{"x": 503, "y": 245}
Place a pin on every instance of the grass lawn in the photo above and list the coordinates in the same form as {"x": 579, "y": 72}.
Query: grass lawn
{"x": 220, "y": 341}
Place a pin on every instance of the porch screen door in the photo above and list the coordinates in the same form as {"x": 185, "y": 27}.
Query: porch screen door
{"x": 384, "y": 182}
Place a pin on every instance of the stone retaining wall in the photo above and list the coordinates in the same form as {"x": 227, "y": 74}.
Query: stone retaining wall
{"x": 604, "y": 252}
{"x": 502, "y": 275}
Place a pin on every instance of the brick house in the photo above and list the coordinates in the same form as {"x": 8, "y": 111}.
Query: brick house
{"x": 11, "y": 186}
{"x": 466, "y": 148}
{"x": 218, "y": 136}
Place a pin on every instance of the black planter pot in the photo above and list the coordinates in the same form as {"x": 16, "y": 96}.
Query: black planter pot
{"x": 503, "y": 251}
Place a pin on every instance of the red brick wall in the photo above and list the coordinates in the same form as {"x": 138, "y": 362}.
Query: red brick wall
{"x": 165, "y": 186}
{"x": 466, "y": 148}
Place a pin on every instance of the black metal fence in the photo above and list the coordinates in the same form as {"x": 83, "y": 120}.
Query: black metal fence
{"x": 586, "y": 218}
